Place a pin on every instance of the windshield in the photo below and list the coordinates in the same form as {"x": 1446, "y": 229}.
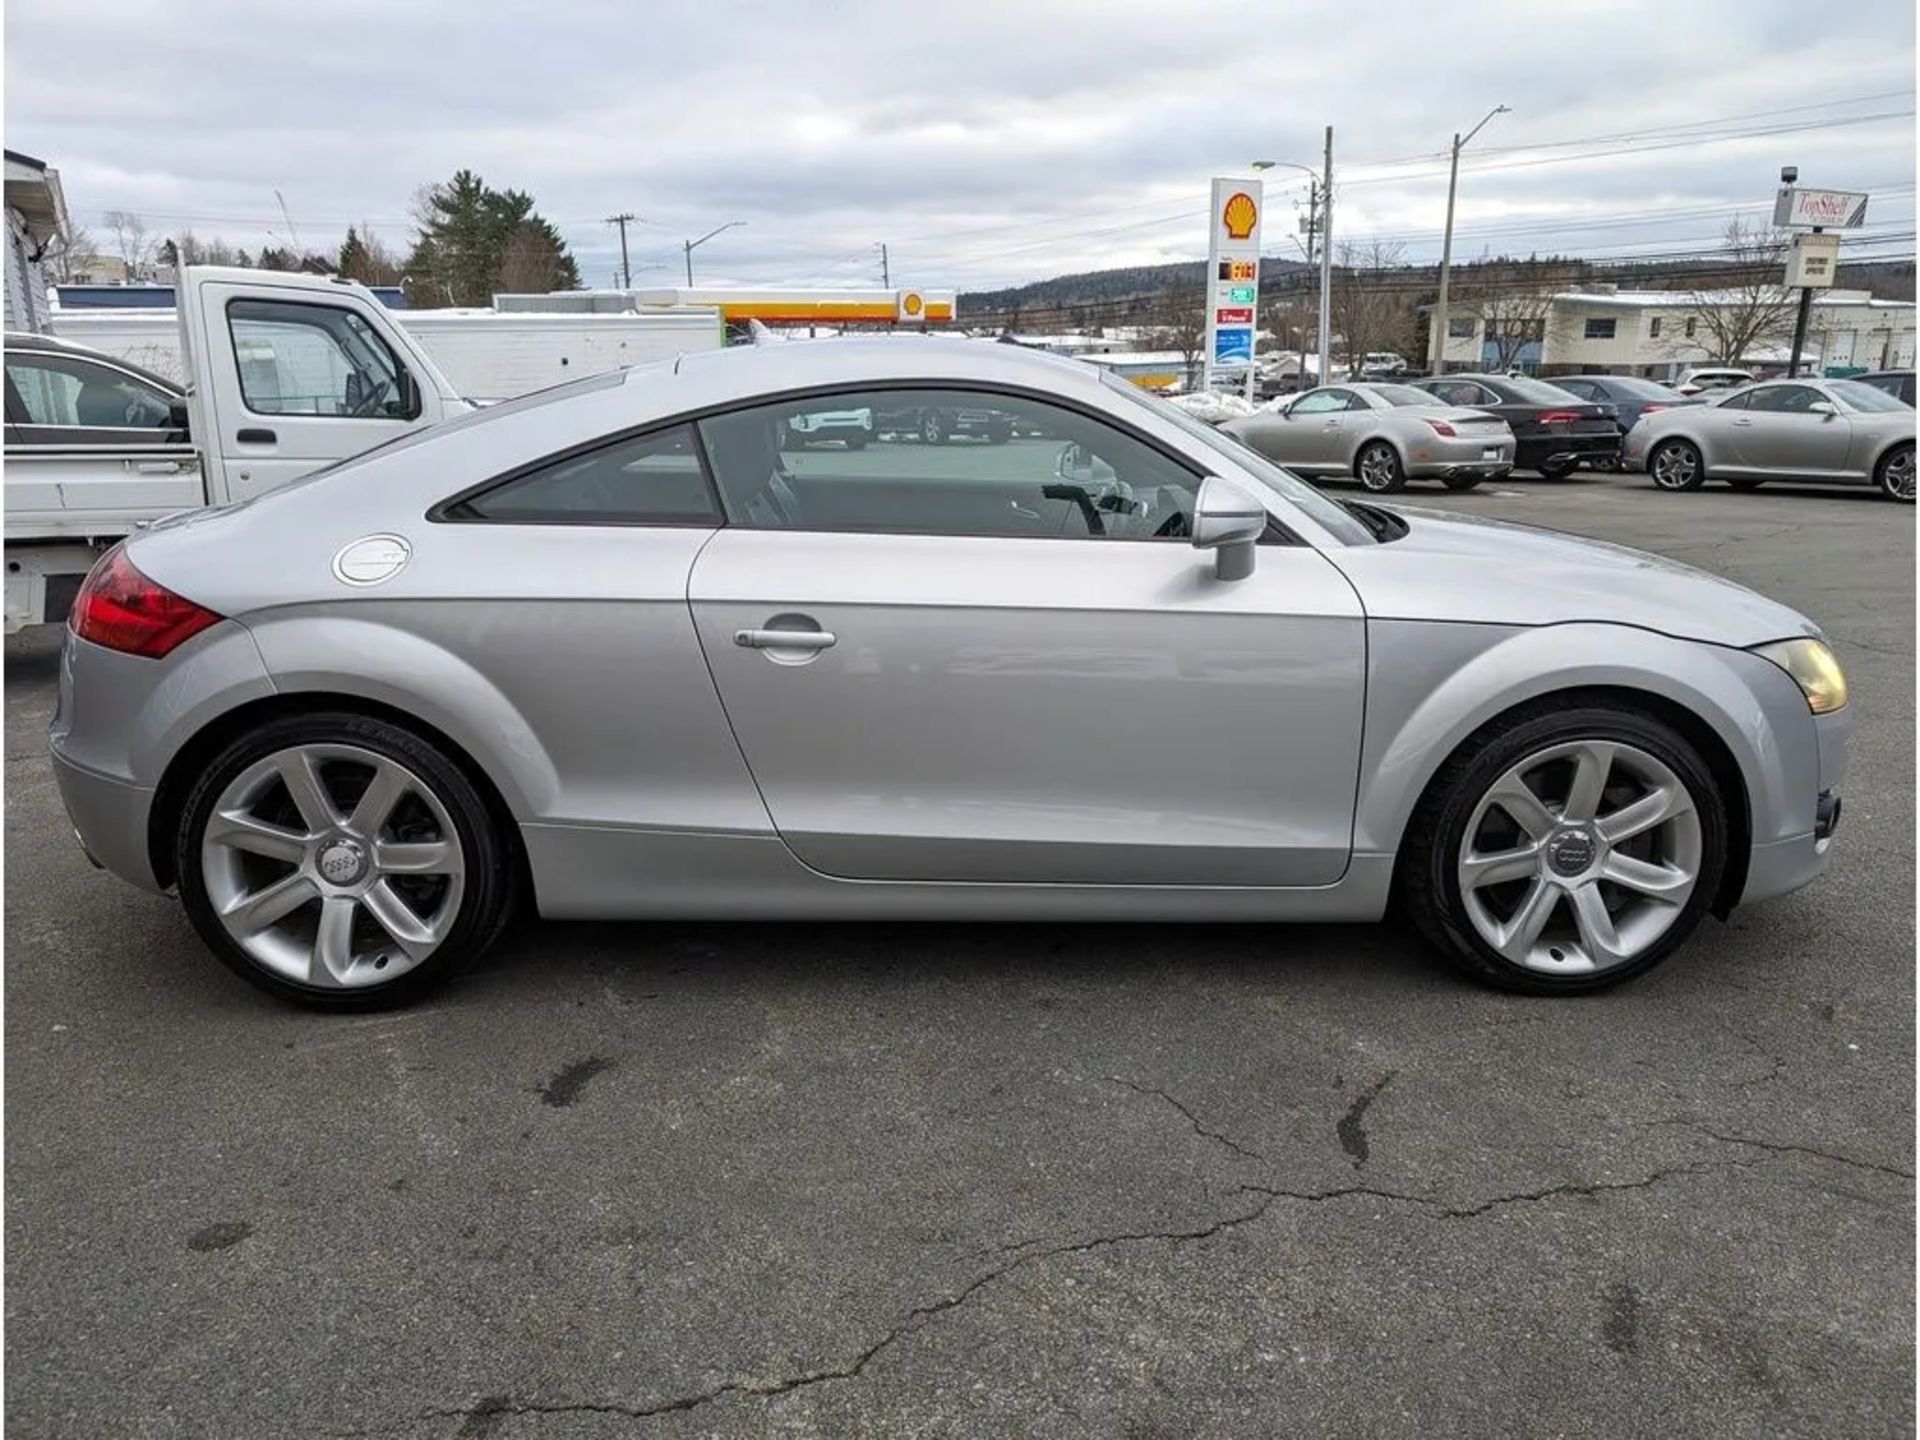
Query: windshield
{"x": 1867, "y": 397}
{"x": 1403, "y": 395}
{"x": 1538, "y": 392}
{"x": 1332, "y": 517}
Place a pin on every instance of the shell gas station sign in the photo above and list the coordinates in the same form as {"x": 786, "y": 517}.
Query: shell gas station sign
{"x": 1233, "y": 278}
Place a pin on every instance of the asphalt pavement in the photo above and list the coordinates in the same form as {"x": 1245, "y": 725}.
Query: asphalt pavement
{"x": 1062, "y": 1180}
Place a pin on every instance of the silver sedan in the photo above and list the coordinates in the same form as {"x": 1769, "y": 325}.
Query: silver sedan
{"x": 609, "y": 651}
{"x": 1382, "y": 435}
{"x": 1829, "y": 432}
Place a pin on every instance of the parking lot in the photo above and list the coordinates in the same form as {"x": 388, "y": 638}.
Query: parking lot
{"x": 1145, "y": 1181}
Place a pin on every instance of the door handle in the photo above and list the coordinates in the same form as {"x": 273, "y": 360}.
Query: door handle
{"x": 255, "y": 436}
{"x": 1743, "y": 422}
{"x": 155, "y": 467}
{"x": 784, "y": 639}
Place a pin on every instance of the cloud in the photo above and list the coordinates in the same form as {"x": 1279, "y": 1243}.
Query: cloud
{"x": 985, "y": 143}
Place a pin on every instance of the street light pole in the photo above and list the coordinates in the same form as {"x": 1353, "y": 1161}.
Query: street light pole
{"x": 1438, "y": 345}
{"x": 691, "y": 245}
{"x": 1326, "y": 264}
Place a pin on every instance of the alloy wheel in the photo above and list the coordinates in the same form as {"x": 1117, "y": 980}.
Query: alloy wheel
{"x": 1580, "y": 857}
{"x": 1378, "y": 468}
{"x": 1896, "y": 475}
{"x": 1675, "y": 467}
{"x": 333, "y": 866}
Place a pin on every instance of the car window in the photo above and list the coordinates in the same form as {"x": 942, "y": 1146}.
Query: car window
{"x": 1783, "y": 399}
{"x": 1403, "y": 395}
{"x": 1896, "y": 385}
{"x": 1463, "y": 392}
{"x": 944, "y": 462}
{"x": 1868, "y": 398}
{"x": 1319, "y": 402}
{"x": 324, "y": 360}
{"x": 1536, "y": 392}
{"x": 67, "y": 390}
{"x": 1584, "y": 389}
{"x": 1736, "y": 401}
{"x": 653, "y": 479}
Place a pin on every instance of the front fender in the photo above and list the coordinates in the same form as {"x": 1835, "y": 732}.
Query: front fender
{"x": 336, "y": 654}
{"x": 1430, "y": 686}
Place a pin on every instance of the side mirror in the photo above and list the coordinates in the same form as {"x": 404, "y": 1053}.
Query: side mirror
{"x": 1822, "y": 407}
{"x": 1071, "y": 463}
{"x": 1228, "y": 520}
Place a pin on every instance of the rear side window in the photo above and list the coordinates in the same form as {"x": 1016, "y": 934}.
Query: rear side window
{"x": 654, "y": 479}
{"x": 63, "y": 390}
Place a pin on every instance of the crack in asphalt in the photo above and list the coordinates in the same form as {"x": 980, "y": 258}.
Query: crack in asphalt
{"x": 1782, "y": 1147}
{"x": 1192, "y": 1119}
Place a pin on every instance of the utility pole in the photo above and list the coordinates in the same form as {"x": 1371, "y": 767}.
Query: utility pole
{"x": 1313, "y": 226}
{"x": 886, "y": 276}
{"x": 1326, "y": 264}
{"x": 624, "y": 219}
{"x": 1438, "y": 345}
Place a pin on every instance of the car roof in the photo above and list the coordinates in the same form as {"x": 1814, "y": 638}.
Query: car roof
{"x": 31, "y": 343}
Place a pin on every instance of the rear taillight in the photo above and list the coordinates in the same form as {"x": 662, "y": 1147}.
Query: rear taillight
{"x": 121, "y": 609}
{"x": 1655, "y": 405}
{"x": 1558, "y": 417}
{"x": 1441, "y": 427}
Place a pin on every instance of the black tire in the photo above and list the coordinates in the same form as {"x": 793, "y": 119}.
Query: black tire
{"x": 1894, "y": 474}
{"x": 1428, "y": 877}
{"x": 1460, "y": 482}
{"x": 933, "y": 428}
{"x": 1559, "y": 470}
{"x": 486, "y": 900}
{"x": 1377, "y": 467}
{"x": 1745, "y": 486}
{"x": 856, "y": 441}
{"x": 1684, "y": 465}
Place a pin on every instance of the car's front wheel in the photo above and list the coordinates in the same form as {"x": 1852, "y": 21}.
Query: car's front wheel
{"x": 1566, "y": 848}
{"x": 1894, "y": 474}
{"x": 1379, "y": 468}
{"x": 933, "y": 428}
{"x": 1676, "y": 465}
{"x": 342, "y": 861}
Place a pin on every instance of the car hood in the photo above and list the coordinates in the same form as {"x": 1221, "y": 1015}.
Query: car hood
{"x": 1464, "y": 569}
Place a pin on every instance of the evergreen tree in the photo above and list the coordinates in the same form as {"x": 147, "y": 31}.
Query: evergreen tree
{"x": 466, "y": 232}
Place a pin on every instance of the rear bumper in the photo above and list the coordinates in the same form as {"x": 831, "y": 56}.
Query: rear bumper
{"x": 1532, "y": 453}
{"x": 1443, "y": 456}
{"x": 109, "y": 819}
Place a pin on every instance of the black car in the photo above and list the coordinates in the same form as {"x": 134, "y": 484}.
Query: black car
{"x": 936, "y": 424}
{"x": 1897, "y": 383}
{"x": 1553, "y": 429}
{"x": 1630, "y": 396}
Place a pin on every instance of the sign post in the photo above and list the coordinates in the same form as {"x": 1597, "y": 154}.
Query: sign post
{"x": 1233, "y": 281}
{"x": 1815, "y": 257}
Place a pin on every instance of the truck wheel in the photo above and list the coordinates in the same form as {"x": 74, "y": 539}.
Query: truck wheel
{"x": 341, "y": 861}
{"x": 1565, "y": 847}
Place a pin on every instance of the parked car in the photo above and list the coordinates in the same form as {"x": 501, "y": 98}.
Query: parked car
{"x": 1832, "y": 432}
{"x": 356, "y": 721}
{"x": 1695, "y": 382}
{"x": 1553, "y": 429}
{"x": 1629, "y": 395}
{"x": 852, "y": 428}
{"x": 1898, "y": 383}
{"x": 1382, "y": 435}
{"x": 935, "y": 425}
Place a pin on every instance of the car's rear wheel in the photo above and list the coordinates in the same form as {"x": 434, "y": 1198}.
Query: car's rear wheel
{"x": 1379, "y": 469}
{"x": 1894, "y": 474}
{"x": 1565, "y": 849}
{"x": 341, "y": 861}
{"x": 1676, "y": 465}
{"x": 1460, "y": 482}
{"x": 933, "y": 428}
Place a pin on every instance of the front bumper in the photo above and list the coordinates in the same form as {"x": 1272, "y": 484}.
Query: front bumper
{"x": 1781, "y": 865}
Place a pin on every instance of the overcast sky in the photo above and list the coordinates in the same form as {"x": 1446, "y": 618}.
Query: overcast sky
{"x": 988, "y": 142}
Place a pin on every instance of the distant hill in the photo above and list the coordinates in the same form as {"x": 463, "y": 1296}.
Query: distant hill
{"x": 1107, "y": 289}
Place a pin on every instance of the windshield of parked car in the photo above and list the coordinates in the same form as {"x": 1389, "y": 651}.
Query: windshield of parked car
{"x": 1403, "y": 395}
{"x": 1538, "y": 392}
{"x": 1331, "y": 516}
{"x": 1867, "y": 397}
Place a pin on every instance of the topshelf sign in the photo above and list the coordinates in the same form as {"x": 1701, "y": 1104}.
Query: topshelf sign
{"x": 1831, "y": 209}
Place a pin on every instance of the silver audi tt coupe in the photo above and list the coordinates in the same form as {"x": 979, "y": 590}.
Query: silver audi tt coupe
{"x": 610, "y": 651}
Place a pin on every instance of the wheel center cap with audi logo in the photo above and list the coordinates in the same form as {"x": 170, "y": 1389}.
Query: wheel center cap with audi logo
{"x": 1571, "y": 852}
{"x": 342, "y": 863}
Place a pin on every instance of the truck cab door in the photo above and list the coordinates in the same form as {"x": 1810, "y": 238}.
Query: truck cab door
{"x": 291, "y": 373}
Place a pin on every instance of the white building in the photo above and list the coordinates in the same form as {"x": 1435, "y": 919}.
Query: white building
{"x": 1660, "y": 334}
{"x": 36, "y": 218}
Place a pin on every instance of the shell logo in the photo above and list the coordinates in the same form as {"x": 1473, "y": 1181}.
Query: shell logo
{"x": 911, "y": 303}
{"x": 1240, "y": 215}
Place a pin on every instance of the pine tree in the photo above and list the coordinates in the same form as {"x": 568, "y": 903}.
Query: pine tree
{"x": 466, "y": 232}
{"x": 355, "y": 263}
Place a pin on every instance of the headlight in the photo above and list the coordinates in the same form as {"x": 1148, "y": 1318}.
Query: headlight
{"x": 1813, "y": 668}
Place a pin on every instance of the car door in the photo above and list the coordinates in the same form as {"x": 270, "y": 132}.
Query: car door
{"x": 1782, "y": 435}
{"x": 92, "y": 445}
{"x": 953, "y": 665}
{"x": 1310, "y": 431}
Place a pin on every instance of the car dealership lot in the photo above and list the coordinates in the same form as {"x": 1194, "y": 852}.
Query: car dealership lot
{"x": 1143, "y": 1180}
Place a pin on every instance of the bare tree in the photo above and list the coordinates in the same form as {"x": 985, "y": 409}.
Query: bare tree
{"x": 131, "y": 240}
{"x": 1180, "y": 324}
{"x": 1513, "y": 300}
{"x": 66, "y": 257}
{"x": 1366, "y": 302}
{"x": 1754, "y": 306}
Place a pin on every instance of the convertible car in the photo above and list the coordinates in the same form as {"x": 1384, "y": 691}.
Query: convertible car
{"x": 610, "y": 651}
